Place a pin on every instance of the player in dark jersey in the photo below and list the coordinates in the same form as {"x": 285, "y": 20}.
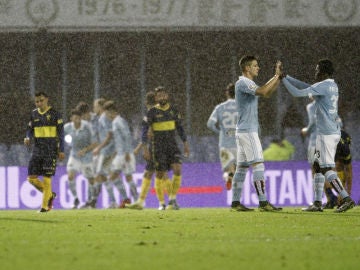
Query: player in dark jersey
{"x": 46, "y": 128}
{"x": 164, "y": 123}
{"x": 150, "y": 167}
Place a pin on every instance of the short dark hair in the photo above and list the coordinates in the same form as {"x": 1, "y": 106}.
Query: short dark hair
{"x": 159, "y": 89}
{"x": 245, "y": 61}
{"x": 230, "y": 88}
{"x": 41, "y": 93}
{"x": 83, "y": 107}
{"x": 75, "y": 112}
{"x": 150, "y": 98}
{"x": 326, "y": 67}
{"x": 100, "y": 101}
{"x": 110, "y": 106}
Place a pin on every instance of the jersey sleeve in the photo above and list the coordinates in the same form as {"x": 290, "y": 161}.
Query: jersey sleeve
{"x": 145, "y": 127}
{"x": 60, "y": 132}
{"x": 212, "y": 121}
{"x": 311, "y": 124}
{"x": 127, "y": 136}
{"x": 296, "y": 92}
{"x": 297, "y": 83}
{"x": 29, "y": 128}
{"x": 247, "y": 86}
{"x": 179, "y": 127}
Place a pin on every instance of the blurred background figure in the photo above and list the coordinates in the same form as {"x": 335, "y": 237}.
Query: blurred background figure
{"x": 279, "y": 150}
{"x": 222, "y": 121}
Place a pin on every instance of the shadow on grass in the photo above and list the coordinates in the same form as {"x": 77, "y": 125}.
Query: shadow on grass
{"x": 29, "y": 220}
{"x": 300, "y": 212}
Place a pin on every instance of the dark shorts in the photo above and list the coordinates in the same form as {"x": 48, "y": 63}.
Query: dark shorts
{"x": 42, "y": 165}
{"x": 165, "y": 156}
{"x": 150, "y": 166}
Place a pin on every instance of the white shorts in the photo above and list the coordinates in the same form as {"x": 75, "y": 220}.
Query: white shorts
{"x": 75, "y": 165}
{"x": 325, "y": 150}
{"x": 103, "y": 164}
{"x": 119, "y": 164}
{"x": 249, "y": 149}
{"x": 227, "y": 157}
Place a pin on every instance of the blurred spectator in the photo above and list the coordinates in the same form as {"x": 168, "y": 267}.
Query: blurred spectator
{"x": 279, "y": 150}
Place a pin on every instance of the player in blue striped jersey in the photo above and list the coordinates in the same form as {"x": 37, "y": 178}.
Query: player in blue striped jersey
{"x": 105, "y": 152}
{"x": 124, "y": 161}
{"x": 93, "y": 119}
{"x": 249, "y": 149}
{"x": 82, "y": 141}
{"x": 223, "y": 122}
{"x": 325, "y": 92}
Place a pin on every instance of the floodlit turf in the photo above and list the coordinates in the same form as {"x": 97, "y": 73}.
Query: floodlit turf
{"x": 194, "y": 238}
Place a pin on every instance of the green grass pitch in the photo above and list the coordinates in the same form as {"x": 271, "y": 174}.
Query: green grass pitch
{"x": 192, "y": 238}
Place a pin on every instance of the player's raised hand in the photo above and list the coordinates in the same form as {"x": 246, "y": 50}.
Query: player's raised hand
{"x": 278, "y": 68}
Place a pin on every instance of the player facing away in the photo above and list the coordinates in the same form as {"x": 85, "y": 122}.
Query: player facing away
{"x": 46, "y": 128}
{"x": 83, "y": 141}
{"x": 124, "y": 161}
{"x": 249, "y": 149}
{"x": 164, "y": 123}
{"x": 325, "y": 92}
{"x": 222, "y": 121}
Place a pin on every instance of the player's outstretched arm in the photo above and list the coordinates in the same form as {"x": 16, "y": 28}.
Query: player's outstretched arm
{"x": 294, "y": 91}
{"x": 269, "y": 88}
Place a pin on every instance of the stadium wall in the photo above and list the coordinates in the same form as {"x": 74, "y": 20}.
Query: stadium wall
{"x": 287, "y": 183}
{"x": 195, "y": 66}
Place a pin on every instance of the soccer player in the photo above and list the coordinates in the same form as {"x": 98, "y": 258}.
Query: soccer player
{"x": 343, "y": 159}
{"x": 249, "y": 149}
{"x": 343, "y": 166}
{"x": 93, "y": 119}
{"x": 124, "y": 160}
{"x": 46, "y": 128}
{"x": 223, "y": 122}
{"x": 310, "y": 130}
{"x": 104, "y": 152}
{"x": 325, "y": 92}
{"x": 150, "y": 167}
{"x": 164, "y": 122}
{"x": 83, "y": 141}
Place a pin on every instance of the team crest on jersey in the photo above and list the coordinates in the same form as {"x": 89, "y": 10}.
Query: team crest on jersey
{"x": 48, "y": 117}
{"x": 252, "y": 86}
